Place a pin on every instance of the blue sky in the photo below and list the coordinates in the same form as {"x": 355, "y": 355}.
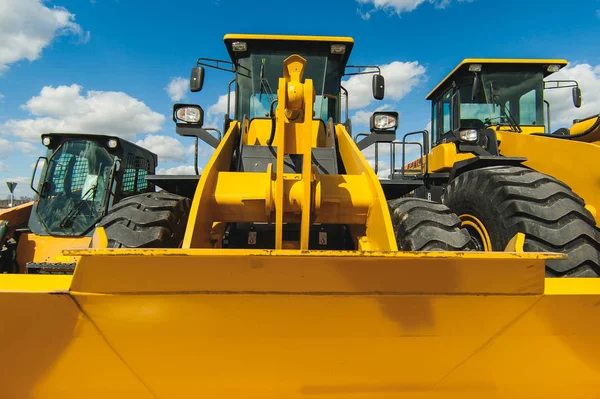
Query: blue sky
{"x": 104, "y": 66}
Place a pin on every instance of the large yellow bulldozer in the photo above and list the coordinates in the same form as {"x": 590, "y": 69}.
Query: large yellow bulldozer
{"x": 291, "y": 275}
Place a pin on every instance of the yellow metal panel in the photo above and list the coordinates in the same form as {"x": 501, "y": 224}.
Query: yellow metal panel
{"x": 287, "y": 271}
{"x": 573, "y": 162}
{"x": 379, "y": 233}
{"x": 366, "y": 325}
{"x": 585, "y": 126}
{"x": 443, "y": 157}
{"x": 200, "y": 221}
{"x": 340, "y": 39}
{"x": 560, "y": 62}
{"x": 269, "y": 346}
{"x": 16, "y": 217}
{"x": 50, "y": 349}
{"x": 35, "y": 283}
{"x": 40, "y": 249}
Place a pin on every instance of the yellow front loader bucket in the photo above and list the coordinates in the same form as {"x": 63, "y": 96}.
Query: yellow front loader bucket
{"x": 205, "y": 323}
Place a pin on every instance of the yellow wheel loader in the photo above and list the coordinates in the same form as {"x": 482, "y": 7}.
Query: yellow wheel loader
{"x": 295, "y": 276}
{"x": 495, "y": 162}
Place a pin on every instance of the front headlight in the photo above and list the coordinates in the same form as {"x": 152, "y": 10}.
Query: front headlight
{"x": 188, "y": 114}
{"x": 469, "y": 135}
{"x": 384, "y": 121}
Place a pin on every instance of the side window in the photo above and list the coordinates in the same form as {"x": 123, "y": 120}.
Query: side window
{"x": 527, "y": 108}
{"x": 134, "y": 176}
{"x": 446, "y": 112}
{"x": 433, "y": 129}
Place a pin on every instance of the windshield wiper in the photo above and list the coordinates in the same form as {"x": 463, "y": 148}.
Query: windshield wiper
{"x": 264, "y": 83}
{"x": 512, "y": 123}
{"x": 75, "y": 209}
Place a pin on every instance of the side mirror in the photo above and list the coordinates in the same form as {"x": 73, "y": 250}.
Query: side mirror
{"x": 197, "y": 79}
{"x": 384, "y": 122}
{"x": 37, "y": 178}
{"x": 378, "y": 87}
{"x": 577, "y": 97}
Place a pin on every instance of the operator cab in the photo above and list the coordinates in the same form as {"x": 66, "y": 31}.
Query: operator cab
{"x": 502, "y": 94}
{"x": 81, "y": 177}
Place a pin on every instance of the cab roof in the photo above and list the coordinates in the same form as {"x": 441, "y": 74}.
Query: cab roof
{"x": 291, "y": 42}
{"x": 498, "y": 62}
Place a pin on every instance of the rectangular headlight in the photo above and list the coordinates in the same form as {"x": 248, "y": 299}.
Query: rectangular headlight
{"x": 469, "y": 135}
{"x": 188, "y": 114}
{"x": 384, "y": 121}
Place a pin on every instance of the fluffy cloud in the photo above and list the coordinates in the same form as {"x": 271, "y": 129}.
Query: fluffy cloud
{"x": 220, "y": 107}
{"x": 167, "y": 148}
{"x": 177, "y": 88}
{"x": 3, "y": 167}
{"x": 562, "y": 111}
{"x": 178, "y": 170}
{"x": 400, "y": 79}
{"x": 65, "y": 109}
{"x": 28, "y": 26}
{"x": 214, "y": 114}
{"x": 400, "y": 6}
{"x": 7, "y": 148}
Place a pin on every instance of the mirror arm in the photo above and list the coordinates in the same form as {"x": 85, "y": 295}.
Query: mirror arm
{"x": 215, "y": 64}
{"x": 360, "y": 70}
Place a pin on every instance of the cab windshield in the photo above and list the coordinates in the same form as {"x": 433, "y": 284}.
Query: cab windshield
{"x": 75, "y": 188}
{"x": 503, "y": 96}
{"x": 258, "y": 78}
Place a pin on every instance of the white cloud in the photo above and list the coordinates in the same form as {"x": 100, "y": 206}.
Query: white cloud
{"x": 27, "y": 148}
{"x": 65, "y": 109}
{"x": 400, "y": 79}
{"x": 177, "y": 88}
{"x": 1, "y": 96}
{"x": 178, "y": 170}
{"x": 167, "y": 148}
{"x": 220, "y": 107}
{"x": 400, "y": 6}
{"x": 214, "y": 114}
{"x": 562, "y": 111}
{"x": 3, "y": 167}
{"x": 28, "y": 26}
{"x": 8, "y": 148}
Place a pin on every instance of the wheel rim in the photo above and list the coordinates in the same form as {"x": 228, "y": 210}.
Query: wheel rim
{"x": 479, "y": 235}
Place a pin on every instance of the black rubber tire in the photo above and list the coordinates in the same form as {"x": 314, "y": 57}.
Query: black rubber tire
{"x": 421, "y": 225}
{"x": 150, "y": 220}
{"x": 511, "y": 199}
